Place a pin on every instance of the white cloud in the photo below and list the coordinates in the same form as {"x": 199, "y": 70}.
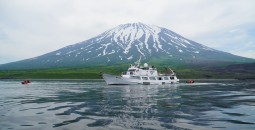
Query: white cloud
{"x": 30, "y": 28}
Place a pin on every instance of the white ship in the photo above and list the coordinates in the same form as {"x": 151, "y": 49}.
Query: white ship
{"x": 142, "y": 75}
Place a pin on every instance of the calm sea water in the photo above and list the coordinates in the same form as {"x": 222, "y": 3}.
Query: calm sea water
{"x": 91, "y": 104}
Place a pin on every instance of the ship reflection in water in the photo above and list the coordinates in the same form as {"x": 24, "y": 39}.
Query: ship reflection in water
{"x": 94, "y": 105}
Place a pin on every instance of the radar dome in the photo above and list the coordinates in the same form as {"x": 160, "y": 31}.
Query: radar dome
{"x": 145, "y": 65}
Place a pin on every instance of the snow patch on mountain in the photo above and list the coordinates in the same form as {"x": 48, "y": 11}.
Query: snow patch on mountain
{"x": 131, "y": 57}
{"x": 136, "y": 38}
{"x": 120, "y": 57}
{"x": 105, "y": 45}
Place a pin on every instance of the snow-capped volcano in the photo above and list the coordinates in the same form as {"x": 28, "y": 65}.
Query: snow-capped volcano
{"x": 125, "y": 44}
{"x": 130, "y": 41}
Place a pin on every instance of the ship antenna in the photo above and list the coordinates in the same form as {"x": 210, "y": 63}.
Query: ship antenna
{"x": 171, "y": 70}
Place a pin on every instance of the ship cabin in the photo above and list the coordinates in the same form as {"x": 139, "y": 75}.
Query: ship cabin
{"x": 147, "y": 74}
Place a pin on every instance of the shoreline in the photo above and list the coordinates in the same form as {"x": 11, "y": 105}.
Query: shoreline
{"x": 103, "y": 79}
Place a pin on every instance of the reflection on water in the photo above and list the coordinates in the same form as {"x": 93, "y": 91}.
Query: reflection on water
{"x": 95, "y": 105}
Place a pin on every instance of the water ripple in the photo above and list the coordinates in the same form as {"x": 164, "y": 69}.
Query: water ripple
{"x": 94, "y": 105}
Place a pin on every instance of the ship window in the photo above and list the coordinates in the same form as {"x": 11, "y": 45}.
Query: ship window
{"x": 152, "y": 78}
{"x": 135, "y": 77}
{"x": 166, "y": 78}
{"x": 159, "y": 78}
{"x": 172, "y": 78}
{"x": 145, "y": 78}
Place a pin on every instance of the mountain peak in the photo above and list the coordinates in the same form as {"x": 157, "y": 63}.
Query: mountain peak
{"x": 126, "y": 34}
{"x": 133, "y": 29}
{"x": 125, "y": 44}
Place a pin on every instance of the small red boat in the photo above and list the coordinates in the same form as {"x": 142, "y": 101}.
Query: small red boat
{"x": 25, "y": 82}
{"x": 190, "y": 81}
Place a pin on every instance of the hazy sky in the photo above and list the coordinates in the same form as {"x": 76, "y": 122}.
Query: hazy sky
{"x": 30, "y": 28}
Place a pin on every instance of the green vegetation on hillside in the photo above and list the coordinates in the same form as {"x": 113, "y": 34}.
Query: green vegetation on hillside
{"x": 95, "y": 72}
{"x": 59, "y": 73}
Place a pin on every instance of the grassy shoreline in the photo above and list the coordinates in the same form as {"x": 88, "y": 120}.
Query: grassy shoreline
{"x": 95, "y": 73}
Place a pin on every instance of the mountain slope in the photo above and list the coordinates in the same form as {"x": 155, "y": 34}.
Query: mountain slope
{"x": 125, "y": 44}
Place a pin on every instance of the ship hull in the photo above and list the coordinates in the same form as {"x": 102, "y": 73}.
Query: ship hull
{"x": 119, "y": 80}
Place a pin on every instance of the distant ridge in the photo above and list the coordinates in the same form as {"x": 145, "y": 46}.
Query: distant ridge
{"x": 125, "y": 44}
